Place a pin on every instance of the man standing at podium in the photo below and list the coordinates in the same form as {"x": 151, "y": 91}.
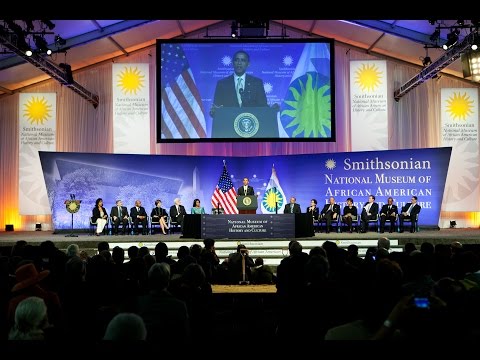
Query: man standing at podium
{"x": 239, "y": 89}
{"x": 245, "y": 189}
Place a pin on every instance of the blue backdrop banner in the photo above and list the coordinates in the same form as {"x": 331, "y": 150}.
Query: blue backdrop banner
{"x": 400, "y": 174}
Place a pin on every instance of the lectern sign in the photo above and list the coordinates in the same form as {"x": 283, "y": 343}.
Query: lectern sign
{"x": 72, "y": 206}
{"x": 247, "y": 201}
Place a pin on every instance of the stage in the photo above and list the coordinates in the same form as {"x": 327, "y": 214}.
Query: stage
{"x": 272, "y": 250}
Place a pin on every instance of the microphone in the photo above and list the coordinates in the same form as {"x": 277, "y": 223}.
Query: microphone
{"x": 241, "y": 92}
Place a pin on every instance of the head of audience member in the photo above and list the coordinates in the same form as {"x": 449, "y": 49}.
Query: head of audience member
{"x": 30, "y": 320}
{"x": 384, "y": 243}
{"x": 126, "y": 327}
{"x": 456, "y": 247}
{"x": 316, "y": 270}
{"x": 331, "y": 200}
{"x": 149, "y": 260}
{"x": 209, "y": 243}
{"x": 258, "y": 262}
{"x": 409, "y": 247}
{"x": 27, "y": 276}
{"x": 371, "y": 198}
{"x": 352, "y": 251}
{"x": 107, "y": 255}
{"x": 73, "y": 250}
{"x": 443, "y": 251}
{"x": 195, "y": 251}
{"x": 241, "y": 60}
{"x": 158, "y": 203}
{"x": 74, "y": 271}
{"x": 330, "y": 248}
{"x": 370, "y": 253}
{"x": 18, "y": 248}
{"x": 418, "y": 265}
{"x": 196, "y": 203}
{"x": 118, "y": 255}
{"x": 381, "y": 253}
{"x": 295, "y": 249}
{"x": 349, "y": 202}
{"x": 183, "y": 252}
{"x": 390, "y": 201}
{"x": 193, "y": 276}
{"x": 159, "y": 276}
{"x": 47, "y": 249}
{"x": 313, "y": 203}
{"x": 103, "y": 245}
{"x": 161, "y": 251}
{"x": 143, "y": 251}
{"x": 468, "y": 262}
{"x": 138, "y": 203}
{"x": 132, "y": 252}
{"x": 427, "y": 248}
{"x": 317, "y": 251}
{"x": 177, "y": 201}
{"x": 241, "y": 248}
{"x": 99, "y": 202}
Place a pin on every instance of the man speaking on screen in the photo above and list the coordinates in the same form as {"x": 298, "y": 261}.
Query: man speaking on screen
{"x": 239, "y": 89}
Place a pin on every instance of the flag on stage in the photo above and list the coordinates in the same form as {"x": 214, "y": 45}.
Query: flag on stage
{"x": 225, "y": 195}
{"x": 273, "y": 194}
{"x": 306, "y": 108}
{"x": 182, "y": 109}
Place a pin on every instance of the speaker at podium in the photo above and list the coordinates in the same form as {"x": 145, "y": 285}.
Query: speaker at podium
{"x": 247, "y": 204}
{"x": 245, "y": 123}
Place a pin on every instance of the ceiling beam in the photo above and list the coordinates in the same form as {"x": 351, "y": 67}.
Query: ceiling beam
{"x": 83, "y": 39}
{"x": 399, "y": 31}
{"x": 112, "y": 40}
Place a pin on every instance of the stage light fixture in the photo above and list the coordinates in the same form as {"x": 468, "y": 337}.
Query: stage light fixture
{"x": 9, "y": 227}
{"x": 453, "y": 223}
{"x": 48, "y": 24}
{"x": 42, "y": 45}
{"x": 59, "y": 40}
{"x": 452, "y": 39}
{"x": 234, "y": 29}
{"x": 29, "y": 52}
{"x": 426, "y": 61}
{"x": 471, "y": 65}
{"x": 38, "y": 227}
{"x": 435, "y": 35}
{"x": 68, "y": 72}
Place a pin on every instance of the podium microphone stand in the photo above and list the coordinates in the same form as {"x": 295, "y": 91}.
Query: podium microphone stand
{"x": 244, "y": 280}
{"x": 72, "y": 207}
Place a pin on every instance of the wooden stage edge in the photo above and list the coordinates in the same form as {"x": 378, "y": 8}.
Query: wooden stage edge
{"x": 442, "y": 236}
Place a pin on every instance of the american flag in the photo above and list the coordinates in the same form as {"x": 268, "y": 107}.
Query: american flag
{"x": 182, "y": 110}
{"x": 225, "y": 194}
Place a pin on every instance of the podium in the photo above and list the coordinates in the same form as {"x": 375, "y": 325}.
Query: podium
{"x": 247, "y": 204}
{"x": 245, "y": 123}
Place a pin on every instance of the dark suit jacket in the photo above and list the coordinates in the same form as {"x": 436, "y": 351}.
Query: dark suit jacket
{"x": 336, "y": 209}
{"x": 176, "y": 216}
{"x": 114, "y": 212}
{"x": 158, "y": 212}
{"x": 415, "y": 210}
{"x": 373, "y": 208}
{"x": 315, "y": 212}
{"x": 353, "y": 210}
{"x": 134, "y": 213}
{"x": 253, "y": 93}
{"x": 249, "y": 191}
{"x": 393, "y": 210}
{"x": 296, "y": 209}
{"x": 96, "y": 213}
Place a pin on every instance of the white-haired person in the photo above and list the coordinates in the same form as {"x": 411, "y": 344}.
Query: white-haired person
{"x": 126, "y": 327}
{"x": 30, "y": 320}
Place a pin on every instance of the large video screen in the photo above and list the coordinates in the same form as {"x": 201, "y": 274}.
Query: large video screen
{"x": 268, "y": 90}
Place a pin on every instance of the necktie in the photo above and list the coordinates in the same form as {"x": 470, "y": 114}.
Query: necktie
{"x": 178, "y": 212}
{"x": 369, "y": 205}
{"x": 119, "y": 211}
{"x": 389, "y": 207}
{"x": 330, "y": 208}
{"x": 239, "y": 86}
{"x": 291, "y": 208}
{"x": 245, "y": 190}
{"x": 410, "y": 209}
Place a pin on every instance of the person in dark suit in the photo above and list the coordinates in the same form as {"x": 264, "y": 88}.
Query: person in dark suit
{"x": 410, "y": 212}
{"x": 292, "y": 207}
{"x": 159, "y": 214}
{"x": 389, "y": 212}
{"x": 99, "y": 216}
{"x": 239, "y": 89}
{"x": 177, "y": 212}
{"x": 139, "y": 215}
{"x": 349, "y": 212}
{"x": 369, "y": 212}
{"x": 313, "y": 209}
{"x": 245, "y": 189}
{"x": 330, "y": 212}
{"x": 119, "y": 214}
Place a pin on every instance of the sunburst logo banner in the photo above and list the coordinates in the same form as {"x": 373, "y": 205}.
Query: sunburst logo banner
{"x": 131, "y": 108}
{"x": 459, "y": 129}
{"x": 37, "y": 113}
{"x": 368, "y": 105}
{"x": 274, "y": 197}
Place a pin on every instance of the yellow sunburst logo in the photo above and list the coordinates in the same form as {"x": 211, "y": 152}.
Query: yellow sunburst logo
{"x": 130, "y": 80}
{"x": 330, "y": 164}
{"x": 459, "y": 106}
{"x": 37, "y": 110}
{"x": 368, "y": 77}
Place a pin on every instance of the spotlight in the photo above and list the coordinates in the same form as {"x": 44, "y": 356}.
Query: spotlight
{"x": 435, "y": 35}
{"x": 426, "y": 61}
{"x": 452, "y": 39}
{"x": 38, "y": 227}
{"x": 29, "y": 52}
{"x": 453, "y": 223}
{"x": 461, "y": 22}
{"x": 59, "y": 40}
{"x": 9, "y": 227}
{"x": 234, "y": 29}
{"x": 68, "y": 72}
{"x": 432, "y": 22}
{"x": 41, "y": 44}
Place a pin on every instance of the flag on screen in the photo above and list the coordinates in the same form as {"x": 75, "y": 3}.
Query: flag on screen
{"x": 273, "y": 194}
{"x": 182, "y": 110}
{"x": 306, "y": 108}
{"x": 225, "y": 195}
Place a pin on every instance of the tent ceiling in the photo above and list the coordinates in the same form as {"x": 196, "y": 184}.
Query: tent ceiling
{"x": 92, "y": 41}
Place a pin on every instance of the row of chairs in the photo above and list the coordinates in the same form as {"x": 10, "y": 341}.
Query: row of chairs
{"x": 172, "y": 226}
{"x": 339, "y": 223}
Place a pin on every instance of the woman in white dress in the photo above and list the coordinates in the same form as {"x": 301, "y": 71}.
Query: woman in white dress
{"x": 99, "y": 214}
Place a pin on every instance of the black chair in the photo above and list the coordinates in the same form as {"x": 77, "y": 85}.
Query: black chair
{"x": 396, "y": 225}
{"x": 354, "y": 223}
{"x": 131, "y": 224}
{"x": 154, "y": 223}
{"x": 410, "y": 220}
{"x": 322, "y": 219}
{"x": 173, "y": 225}
{"x": 375, "y": 221}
